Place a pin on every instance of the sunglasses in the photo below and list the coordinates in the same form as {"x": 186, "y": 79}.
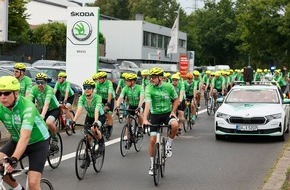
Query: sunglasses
{"x": 40, "y": 82}
{"x": 60, "y": 78}
{"x": 87, "y": 87}
{"x": 153, "y": 77}
{"x": 16, "y": 71}
{"x": 5, "y": 93}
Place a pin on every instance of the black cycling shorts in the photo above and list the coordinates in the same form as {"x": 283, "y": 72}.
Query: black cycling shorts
{"x": 104, "y": 101}
{"x": 37, "y": 153}
{"x": 160, "y": 119}
{"x": 91, "y": 120}
{"x": 55, "y": 113}
{"x": 181, "y": 106}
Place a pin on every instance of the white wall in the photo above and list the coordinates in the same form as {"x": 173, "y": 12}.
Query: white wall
{"x": 123, "y": 38}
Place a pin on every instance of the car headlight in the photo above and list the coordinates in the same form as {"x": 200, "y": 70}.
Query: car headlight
{"x": 223, "y": 115}
{"x": 274, "y": 116}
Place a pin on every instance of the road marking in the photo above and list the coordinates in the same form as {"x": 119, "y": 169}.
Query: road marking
{"x": 108, "y": 143}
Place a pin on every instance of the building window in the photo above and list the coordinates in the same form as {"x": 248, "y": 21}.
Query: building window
{"x": 153, "y": 40}
{"x": 160, "y": 41}
{"x": 166, "y": 41}
{"x": 146, "y": 38}
{"x": 182, "y": 43}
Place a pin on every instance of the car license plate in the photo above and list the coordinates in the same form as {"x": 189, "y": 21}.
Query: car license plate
{"x": 247, "y": 128}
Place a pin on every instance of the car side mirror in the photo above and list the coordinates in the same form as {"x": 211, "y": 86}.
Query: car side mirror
{"x": 48, "y": 80}
{"x": 220, "y": 100}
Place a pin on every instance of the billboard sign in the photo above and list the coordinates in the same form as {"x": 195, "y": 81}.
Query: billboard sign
{"x": 82, "y": 43}
{"x": 183, "y": 65}
{"x": 3, "y": 20}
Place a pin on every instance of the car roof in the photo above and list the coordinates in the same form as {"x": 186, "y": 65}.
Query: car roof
{"x": 256, "y": 86}
{"x": 47, "y": 62}
{"x": 12, "y": 63}
{"x": 106, "y": 70}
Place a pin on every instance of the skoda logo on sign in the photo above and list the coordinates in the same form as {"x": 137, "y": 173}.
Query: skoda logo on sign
{"x": 82, "y": 30}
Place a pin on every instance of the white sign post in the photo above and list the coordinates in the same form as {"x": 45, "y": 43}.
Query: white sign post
{"x": 82, "y": 44}
{"x": 3, "y": 20}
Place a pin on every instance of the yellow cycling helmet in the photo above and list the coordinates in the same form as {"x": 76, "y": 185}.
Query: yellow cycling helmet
{"x": 124, "y": 75}
{"x": 20, "y": 66}
{"x": 265, "y": 70}
{"x": 62, "y": 74}
{"x": 95, "y": 76}
{"x": 40, "y": 76}
{"x": 207, "y": 72}
{"x": 195, "y": 72}
{"x": 89, "y": 82}
{"x": 145, "y": 72}
{"x": 9, "y": 83}
{"x": 218, "y": 73}
{"x": 131, "y": 76}
{"x": 101, "y": 74}
{"x": 175, "y": 76}
{"x": 156, "y": 71}
{"x": 166, "y": 75}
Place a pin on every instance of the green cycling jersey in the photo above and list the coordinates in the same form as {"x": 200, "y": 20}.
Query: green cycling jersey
{"x": 103, "y": 89}
{"x": 133, "y": 93}
{"x": 25, "y": 85}
{"x": 189, "y": 87}
{"x": 24, "y": 115}
{"x": 180, "y": 89}
{"x": 160, "y": 97}
{"x": 218, "y": 82}
{"x": 93, "y": 106}
{"x": 46, "y": 96}
{"x": 63, "y": 88}
{"x": 121, "y": 83}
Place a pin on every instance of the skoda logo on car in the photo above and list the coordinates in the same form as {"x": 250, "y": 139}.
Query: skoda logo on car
{"x": 82, "y": 30}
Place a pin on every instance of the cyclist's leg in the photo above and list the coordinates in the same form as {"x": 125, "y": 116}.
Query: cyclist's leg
{"x": 68, "y": 106}
{"x": 37, "y": 154}
{"x": 174, "y": 126}
{"x": 110, "y": 116}
{"x": 198, "y": 99}
{"x": 193, "y": 110}
{"x": 50, "y": 118}
{"x": 180, "y": 110}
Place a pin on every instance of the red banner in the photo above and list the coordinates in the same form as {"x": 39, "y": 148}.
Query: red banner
{"x": 183, "y": 65}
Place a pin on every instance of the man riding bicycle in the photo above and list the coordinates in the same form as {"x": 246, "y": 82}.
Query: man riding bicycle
{"x": 95, "y": 112}
{"x": 25, "y": 81}
{"x": 46, "y": 102}
{"x": 158, "y": 98}
{"x": 217, "y": 85}
{"x": 29, "y": 134}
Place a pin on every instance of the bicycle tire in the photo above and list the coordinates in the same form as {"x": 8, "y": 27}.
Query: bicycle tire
{"x": 163, "y": 157}
{"x": 68, "y": 128}
{"x": 82, "y": 157}
{"x": 124, "y": 142}
{"x": 209, "y": 108}
{"x": 55, "y": 152}
{"x": 156, "y": 165}
{"x": 138, "y": 139}
{"x": 98, "y": 160}
{"x": 45, "y": 184}
{"x": 186, "y": 116}
{"x": 120, "y": 119}
{"x": 57, "y": 124}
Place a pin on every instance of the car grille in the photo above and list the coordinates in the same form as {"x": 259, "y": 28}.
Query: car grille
{"x": 251, "y": 120}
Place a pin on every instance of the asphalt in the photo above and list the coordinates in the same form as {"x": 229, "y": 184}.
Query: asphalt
{"x": 274, "y": 181}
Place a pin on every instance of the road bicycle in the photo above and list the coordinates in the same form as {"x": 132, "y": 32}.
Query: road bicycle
{"x": 210, "y": 106}
{"x": 87, "y": 152}
{"x": 122, "y": 113}
{"x": 45, "y": 184}
{"x": 61, "y": 121}
{"x": 159, "y": 153}
{"x": 187, "y": 115}
{"x": 131, "y": 133}
{"x": 206, "y": 97}
{"x": 55, "y": 152}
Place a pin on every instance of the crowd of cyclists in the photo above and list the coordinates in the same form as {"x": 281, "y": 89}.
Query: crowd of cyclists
{"x": 29, "y": 112}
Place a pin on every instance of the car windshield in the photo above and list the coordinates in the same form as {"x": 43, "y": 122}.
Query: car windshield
{"x": 253, "y": 96}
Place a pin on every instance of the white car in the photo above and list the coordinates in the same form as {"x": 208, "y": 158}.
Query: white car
{"x": 253, "y": 110}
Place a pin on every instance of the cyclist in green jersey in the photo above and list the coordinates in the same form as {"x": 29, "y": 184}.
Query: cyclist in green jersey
{"x": 166, "y": 77}
{"x": 189, "y": 89}
{"x": 180, "y": 90}
{"x": 158, "y": 98}
{"x": 105, "y": 89}
{"x": 121, "y": 84}
{"x": 25, "y": 81}
{"x": 135, "y": 94}
{"x": 217, "y": 85}
{"x": 67, "y": 94}
{"x": 205, "y": 79}
{"x": 258, "y": 75}
{"x": 29, "y": 134}
{"x": 145, "y": 80}
{"x": 46, "y": 101}
{"x": 280, "y": 79}
{"x": 95, "y": 111}
{"x": 197, "y": 87}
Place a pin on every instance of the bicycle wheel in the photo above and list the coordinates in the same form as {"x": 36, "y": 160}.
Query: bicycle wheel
{"x": 209, "y": 107}
{"x": 55, "y": 151}
{"x": 186, "y": 116}
{"x": 156, "y": 165}
{"x": 82, "y": 159}
{"x": 57, "y": 124}
{"x": 68, "y": 128}
{"x": 163, "y": 157}
{"x": 138, "y": 139}
{"x": 124, "y": 142}
{"x": 120, "y": 117}
{"x": 98, "y": 159}
{"x": 45, "y": 184}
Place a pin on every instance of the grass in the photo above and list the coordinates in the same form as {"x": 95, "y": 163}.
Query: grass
{"x": 286, "y": 183}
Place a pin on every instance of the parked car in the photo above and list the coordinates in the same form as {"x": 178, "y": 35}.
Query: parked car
{"x": 53, "y": 72}
{"x": 253, "y": 110}
{"x": 52, "y": 63}
{"x": 31, "y": 73}
{"x": 5, "y": 72}
{"x": 3, "y": 63}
